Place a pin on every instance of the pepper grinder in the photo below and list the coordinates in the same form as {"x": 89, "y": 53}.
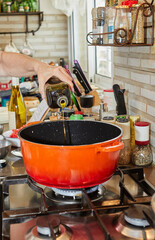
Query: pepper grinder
{"x": 142, "y": 153}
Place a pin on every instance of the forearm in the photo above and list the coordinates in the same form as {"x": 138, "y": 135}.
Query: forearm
{"x": 17, "y": 65}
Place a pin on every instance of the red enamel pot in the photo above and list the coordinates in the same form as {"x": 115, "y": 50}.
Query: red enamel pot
{"x": 88, "y": 157}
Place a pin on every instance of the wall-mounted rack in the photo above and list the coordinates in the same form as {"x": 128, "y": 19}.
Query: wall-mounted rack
{"x": 27, "y": 15}
{"x": 127, "y": 38}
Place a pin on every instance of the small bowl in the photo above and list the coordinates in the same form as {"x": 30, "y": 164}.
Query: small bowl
{"x": 15, "y": 142}
{"x": 1, "y": 129}
{"x": 5, "y": 147}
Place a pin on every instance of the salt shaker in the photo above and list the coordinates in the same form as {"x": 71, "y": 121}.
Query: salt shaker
{"x": 142, "y": 153}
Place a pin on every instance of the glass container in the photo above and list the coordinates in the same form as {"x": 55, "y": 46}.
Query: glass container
{"x": 142, "y": 153}
{"x": 121, "y": 21}
{"x": 139, "y": 31}
{"x": 94, "y": 25}
{"x": 100, "y": 24}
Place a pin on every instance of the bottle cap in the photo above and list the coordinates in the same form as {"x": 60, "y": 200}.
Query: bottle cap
{"x": 142, "y": 133}
{"x": 129, "y": 3}
{"x": 68, "y": 113}
{"x": 15, "y": 81}
{"x": 76, "y": 117}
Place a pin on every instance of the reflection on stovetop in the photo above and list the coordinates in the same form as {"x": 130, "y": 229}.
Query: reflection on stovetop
{"x": 100, "y": 212}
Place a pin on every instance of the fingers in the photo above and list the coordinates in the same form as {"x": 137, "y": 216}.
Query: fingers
{"x": 61, "y": 73}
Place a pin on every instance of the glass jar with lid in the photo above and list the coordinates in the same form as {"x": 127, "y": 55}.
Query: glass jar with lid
{"x": 139, "y": 30}
{"x": 100, "y": 24}
{"x": 94, "y": 25}
{"x": 142, "y": 153}
{"x": 122, "y": 23}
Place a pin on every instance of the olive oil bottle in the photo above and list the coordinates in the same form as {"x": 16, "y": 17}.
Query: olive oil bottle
{"x": 16, "y": 107}
{"x": 57, "y": 93}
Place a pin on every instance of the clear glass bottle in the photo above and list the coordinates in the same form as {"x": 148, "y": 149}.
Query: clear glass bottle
{"x": 110, "y": 22}
{"x": 94, "y": 25}
{"x": 100, "y": 24}
{"x": 139, "y": 31}
{"x": 121, "y": 21}
{"x": 142, "y": 153}
{"x": 16, "y": 107}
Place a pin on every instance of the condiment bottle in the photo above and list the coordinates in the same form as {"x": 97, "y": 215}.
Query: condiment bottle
{"x": 57, "y": 93}
{"x": 100, "y": 24}
{"x": 16, "y": 107}
{"x": 122, "y": 22}
{"x": 139, "y": 31}
{"x": 94, "y": 24}
{"x": 142, "y": 153}
{"x": 125, "y": 153}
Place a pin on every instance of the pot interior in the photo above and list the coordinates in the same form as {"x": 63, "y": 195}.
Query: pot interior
{"x": 77, "y": 132}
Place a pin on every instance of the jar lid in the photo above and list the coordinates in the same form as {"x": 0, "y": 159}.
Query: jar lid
{"x": 142, "y": 133}
{"x": 142, "y": 124}
{"x": 68, "y": 112}
{"x": 129, "y": 3}
{"x": 78, "y": 112}
{"x": 76, "y": 117}
{"x": 108, "y": 90}
{"x": 122, "y": 6}
{"x": 109, "y": 118}
{"x": 122, "y": 120}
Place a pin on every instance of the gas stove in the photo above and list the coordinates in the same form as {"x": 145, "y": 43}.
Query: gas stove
{"x": 118, "y": 209}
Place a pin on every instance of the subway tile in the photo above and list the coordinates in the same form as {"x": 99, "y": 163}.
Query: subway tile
{"x": 152, "y": 141}
{"x": 122, "y": 72}
{"x": 151, "y": 110}
{"x": 148, "y": 63}
{"x": 132, "y": 88}
{"x": 140, "y": 49}
{"x": 140, "y": 77}
{"x": 148, "y": 94}
{"x": 120, "y": 60}
{"x": 137, "y": 104}
{"x": 134, "y": 62}
{"x": 153, "y": 80}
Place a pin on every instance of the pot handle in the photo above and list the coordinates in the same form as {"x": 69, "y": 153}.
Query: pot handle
{"x": 116, "y": 146}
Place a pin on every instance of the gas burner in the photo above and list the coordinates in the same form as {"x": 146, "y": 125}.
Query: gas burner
{"x": 45, "y": 226}
{"x": 75, "y": 193}
{"x": 133, "y": 223}
{"x": 72, "y": 196}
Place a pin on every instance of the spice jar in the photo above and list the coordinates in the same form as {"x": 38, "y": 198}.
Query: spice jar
{"x": 125, "y": 153}
{"x": 139, "y": 31}
{"x": 142, "y": 153}
{"x": 111, "y": 18}
{"x": 94, "y": 24}
{"x": 100, "y": 24}
{"x": 121, "y": 21}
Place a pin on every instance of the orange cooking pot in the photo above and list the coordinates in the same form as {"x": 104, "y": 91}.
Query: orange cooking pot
{"x": 87, "y": 156}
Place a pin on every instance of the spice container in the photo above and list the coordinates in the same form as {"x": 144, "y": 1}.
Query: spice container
{"x": 94, "y": 25}
{"x": 139, "y": 31}
{"x": 121, "y": 21}
{"x": 125, "y": 153}
{"x": 100, "y": 24}
{"x": 142, "y": 153}
{"x": 111, "y": 18}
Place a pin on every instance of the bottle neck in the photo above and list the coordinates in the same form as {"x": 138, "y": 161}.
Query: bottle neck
{"x": 15, "y": 82}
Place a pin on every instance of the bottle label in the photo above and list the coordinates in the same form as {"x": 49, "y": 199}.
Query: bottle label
{"x": 12, "y": 120}
{"x": 110, "y": 29}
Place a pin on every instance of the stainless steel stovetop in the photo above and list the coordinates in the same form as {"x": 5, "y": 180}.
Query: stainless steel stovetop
{"x": 118, "y": 209}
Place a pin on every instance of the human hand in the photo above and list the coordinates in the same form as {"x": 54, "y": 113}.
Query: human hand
{"x": 45, "y": 72}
